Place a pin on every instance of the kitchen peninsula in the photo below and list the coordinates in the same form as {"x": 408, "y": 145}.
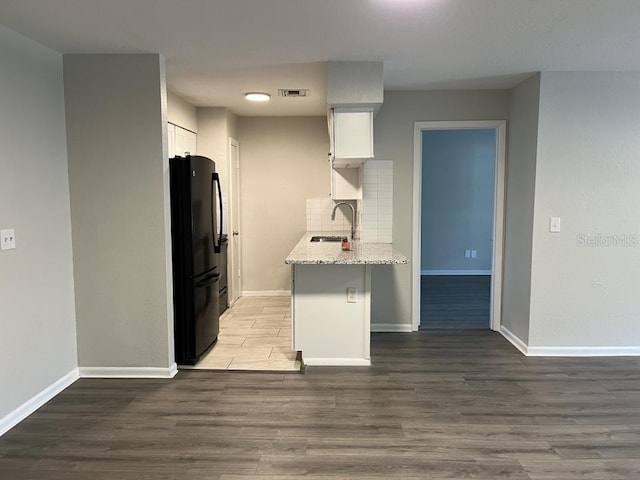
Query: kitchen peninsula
{"x": 331, "y": 299}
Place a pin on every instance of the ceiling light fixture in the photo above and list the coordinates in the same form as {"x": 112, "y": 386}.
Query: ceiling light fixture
{"x": 257, "y": 96}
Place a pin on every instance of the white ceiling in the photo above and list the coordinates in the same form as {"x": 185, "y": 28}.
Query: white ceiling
{"x": 216, "y": 50}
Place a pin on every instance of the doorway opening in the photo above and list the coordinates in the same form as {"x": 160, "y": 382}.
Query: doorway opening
{"x": 255, "y": 332}
{"x": 457, "y": 226}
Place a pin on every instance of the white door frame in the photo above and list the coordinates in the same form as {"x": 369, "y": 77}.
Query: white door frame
{"x": 234, "y": 208}
{"x": 500, "y": 126}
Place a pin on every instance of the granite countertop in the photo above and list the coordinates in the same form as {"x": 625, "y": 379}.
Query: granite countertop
{"x": 315, "y": 253}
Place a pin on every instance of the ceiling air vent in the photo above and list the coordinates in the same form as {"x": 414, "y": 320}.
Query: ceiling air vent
{"x": 290, "y": 92}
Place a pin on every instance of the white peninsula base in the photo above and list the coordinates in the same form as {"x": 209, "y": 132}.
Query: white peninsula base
{"x": 328, "y": 327}
{"x": 331, "y": 299}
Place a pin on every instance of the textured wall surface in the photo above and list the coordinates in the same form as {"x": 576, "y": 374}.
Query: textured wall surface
{"x": 284, "y": 162}
{"x": 393, "y": 136}
{"x": 116, "y": 131}
{"x": 584, "y": 279}
{"x": 38, "y": 337}
{"x": 521, "y": 173}
{"x": 181, "y": 113}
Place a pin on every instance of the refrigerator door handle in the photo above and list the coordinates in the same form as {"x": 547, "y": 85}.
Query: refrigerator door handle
{"x": 217, "y": 240}
{"x": 208, "y": 280}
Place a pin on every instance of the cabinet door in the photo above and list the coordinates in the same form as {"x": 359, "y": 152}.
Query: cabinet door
{"x": 352, "y": 134}
{"x": 345, "y": 184}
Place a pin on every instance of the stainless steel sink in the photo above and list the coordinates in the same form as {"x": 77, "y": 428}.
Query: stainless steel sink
{"x": 328, "y": 238}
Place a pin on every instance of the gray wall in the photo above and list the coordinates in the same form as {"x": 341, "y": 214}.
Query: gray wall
{"x": 393, "y": 134}
{"x": 521, "y": 172}
{"x": 181, "y": 113}
{"x": 588, "y": 173}
{"x": 116, "y": 135}
{"x": 38, "y": 339}
{"x": 283, "y": 162}
{"x": 232, "y": 125}
{"x": 458, "y": 181}
{"x": 213, "y": 133}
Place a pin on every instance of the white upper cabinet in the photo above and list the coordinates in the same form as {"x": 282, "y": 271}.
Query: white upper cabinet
{"x": 355, "y": 90}
{"x": 352, "y": 137}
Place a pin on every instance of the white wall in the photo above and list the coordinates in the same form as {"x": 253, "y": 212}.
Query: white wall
{"x": 118, "y": 175}
{"x": 38, "y": 338}
{"x": 181, "y": 113}
{"x": 232, "y": 125}
{"x": 393, "y": 136}
{"x": 588, "y": 173}
{"x": 458, "y": 178}
{"x": 521, "y": 171}
{"x": 284, "y": 162}
{"x": 212, "y": 124}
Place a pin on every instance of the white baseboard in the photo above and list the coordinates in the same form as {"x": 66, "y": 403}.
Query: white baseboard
{"x": 27, "y": 408}
{"x": 568, "y": 351}
{"x": 455, "y": 272}
{"x": 267, "y": 293}
{"x": 514, "y": 339}
{"x": 391, "y": 327}
{"x": 336, "y": 362}
{"x": 583, "y": 351}
{"x": 129, "y": 372}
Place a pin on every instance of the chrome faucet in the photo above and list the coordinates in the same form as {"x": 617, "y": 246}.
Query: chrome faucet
{"x": 353, "y": 217}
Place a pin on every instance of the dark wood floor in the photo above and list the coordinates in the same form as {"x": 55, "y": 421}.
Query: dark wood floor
{"x": 460, "y": 405}
{"x": 455, "y": 301}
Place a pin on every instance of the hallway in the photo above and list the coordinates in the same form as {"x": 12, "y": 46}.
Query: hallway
{"x": 455, "y": 302}
{"x": 255, "y": 334}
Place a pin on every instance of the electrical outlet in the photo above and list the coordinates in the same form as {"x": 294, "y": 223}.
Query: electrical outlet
{"x": 467, "y": 254}
{"x": 351, "y": 294}
{"x": 474, "y": 254}
{"x": 7, "y": 239}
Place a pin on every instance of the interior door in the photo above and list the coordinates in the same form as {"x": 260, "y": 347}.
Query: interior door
{"x": 235, "y": 256}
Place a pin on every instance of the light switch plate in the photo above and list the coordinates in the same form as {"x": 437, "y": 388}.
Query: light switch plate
{"x": 554, "y": 224}
{"x": 7, "y": 239}
{"x": 351, "y": 294}
{"x": 474, "y": 254}
{"x": 467, "y": 254}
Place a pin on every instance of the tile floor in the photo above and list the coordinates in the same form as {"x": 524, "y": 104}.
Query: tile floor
{"x": 255, "y": 334}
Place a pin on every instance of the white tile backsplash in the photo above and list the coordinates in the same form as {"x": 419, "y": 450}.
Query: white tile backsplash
{"x": 319, "y": 216}
{"x": 374, "y": 211}
{"x": 377, "y": 203}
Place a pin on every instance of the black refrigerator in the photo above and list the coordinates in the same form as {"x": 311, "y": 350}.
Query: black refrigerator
{"x": 196, "y": 235}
